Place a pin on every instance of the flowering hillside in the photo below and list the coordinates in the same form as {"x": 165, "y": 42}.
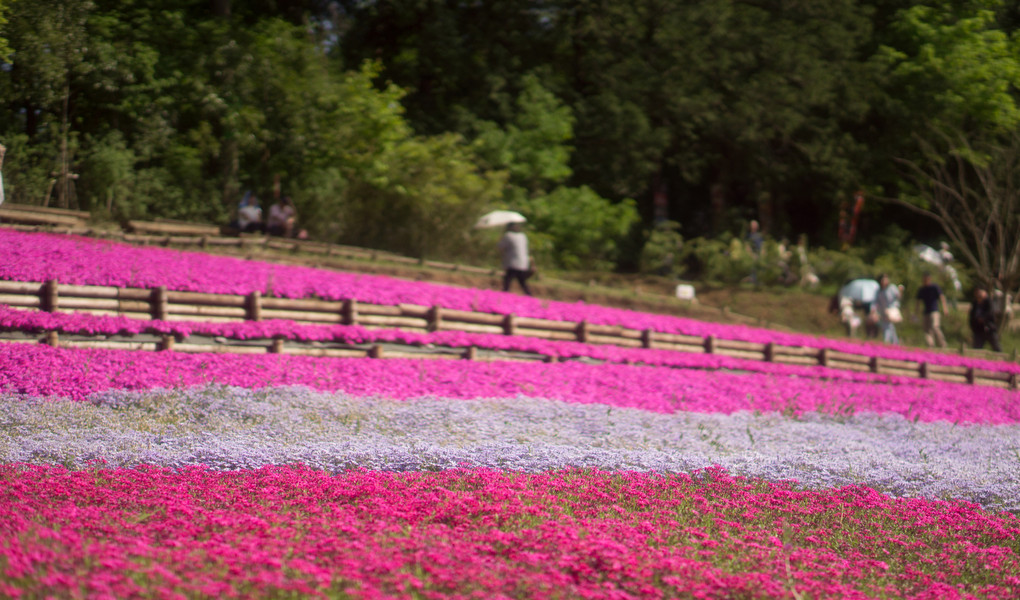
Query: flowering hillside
{"x": 87, "y": 261}
{"x": 141, "y": 474}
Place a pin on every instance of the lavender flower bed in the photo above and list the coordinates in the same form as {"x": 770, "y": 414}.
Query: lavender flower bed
{"x": 74, "y": 260}
{"x": 236, "y": 428}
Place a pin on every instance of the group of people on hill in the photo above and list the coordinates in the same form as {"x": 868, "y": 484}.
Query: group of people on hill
{"x": 281, "y": 220}
{"x": 883, "y": 313}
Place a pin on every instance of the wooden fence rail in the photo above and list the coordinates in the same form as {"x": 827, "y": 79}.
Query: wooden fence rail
{"x": 169, "y": 305}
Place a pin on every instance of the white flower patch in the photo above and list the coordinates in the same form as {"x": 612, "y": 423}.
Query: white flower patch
{"x": 235, "y": 428}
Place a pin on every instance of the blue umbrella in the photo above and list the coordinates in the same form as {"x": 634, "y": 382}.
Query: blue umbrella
{"x": 860, "y": 290}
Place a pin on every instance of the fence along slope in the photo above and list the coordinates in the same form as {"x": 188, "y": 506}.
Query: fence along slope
{"x": 168, "y": 305}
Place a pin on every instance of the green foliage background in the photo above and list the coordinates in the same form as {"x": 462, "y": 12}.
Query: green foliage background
{"x": 396, "y": 124}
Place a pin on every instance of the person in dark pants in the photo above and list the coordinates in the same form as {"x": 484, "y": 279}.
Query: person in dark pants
{"x": 931, "y": 299}
{"x": 513, "y": 246}
{"x": 982, "y": 321}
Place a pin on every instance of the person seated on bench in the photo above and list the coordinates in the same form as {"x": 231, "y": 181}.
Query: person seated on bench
{"x": 249, "y": 215}
{"x": 282, "y": 217}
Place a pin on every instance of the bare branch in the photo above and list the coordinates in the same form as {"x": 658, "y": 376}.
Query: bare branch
{"x": 971, "y": 189}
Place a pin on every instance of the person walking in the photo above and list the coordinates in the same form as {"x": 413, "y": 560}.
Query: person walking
{"x": 982, "y": 321}
{"x": 756, "y": 244}
{"x": 887, "y": 303}
{"x": 513, "y": 246}
{"x": 930, "y": 298}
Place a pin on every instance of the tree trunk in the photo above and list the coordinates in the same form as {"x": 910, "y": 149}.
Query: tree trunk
{"x": 221, "y": 8}
{"x": 64, "y": 175}
{"x": 231, "y": 165}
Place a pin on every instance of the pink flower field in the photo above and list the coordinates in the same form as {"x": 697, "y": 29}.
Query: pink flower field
{"x": 483, "y": 534}
{"x": 611, "y": 473}
{"x": 42, "y": 371}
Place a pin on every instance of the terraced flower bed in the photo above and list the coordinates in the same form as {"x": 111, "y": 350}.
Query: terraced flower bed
{"x": 80, "y": 261}
{"x": 605, "y": 473}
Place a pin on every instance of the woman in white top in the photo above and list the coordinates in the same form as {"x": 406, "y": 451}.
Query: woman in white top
{"x": 516, "y": 261}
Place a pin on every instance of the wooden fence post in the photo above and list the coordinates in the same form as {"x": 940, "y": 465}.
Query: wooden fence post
{"x": 823, "y": 357}
{"x": 167, "y": 343}
{"x": 254, "y": 306}
{"x": 350, "y": 311}
{"x": 53, "y": 339}
{"x": 435, "y": 318}
{"x": 471, "y": 353}
{"x": 509, "y": 325}
{"x": 709, "y": 344}
{"x": 873, "y": 364}
{"x": 582, "y": 332}
{"x": 970, "y": 375}
{"x": 159, "y": 302}
{"x": 375, "y": 351}
{"x": 922, "y": 370}
{"x": 277, "y": 346}
{"x": 50, "y": 296}
{"x": 770, "y": 352}
{"x": 1013, "y": 383}
{"x": 647, "y": 338}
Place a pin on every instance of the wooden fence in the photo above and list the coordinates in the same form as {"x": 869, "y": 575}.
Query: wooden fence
{"x": 168, "y": 305}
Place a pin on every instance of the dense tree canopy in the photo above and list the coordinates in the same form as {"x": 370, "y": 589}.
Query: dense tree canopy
{"x": 395, "y": 123}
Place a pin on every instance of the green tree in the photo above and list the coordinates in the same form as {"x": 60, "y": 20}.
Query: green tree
{"x": 534, "y": 146}
{"x": 573, "y": 227}
{"x": 578, "y": 229}
{"x": 948, "y": 64}
{"x": 951, "y": 76}
{"x": 968, "y": 186}
{"x": 5, "y": 48}
{"x": 938, "y": 65}
{"x": 48, "y": 39}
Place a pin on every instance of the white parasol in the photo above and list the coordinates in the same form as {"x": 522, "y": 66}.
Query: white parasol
{"x": 929, "y": 255}
{"x": 498, "y": 218}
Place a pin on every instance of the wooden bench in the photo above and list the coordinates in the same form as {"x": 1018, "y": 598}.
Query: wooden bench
{"x": 43, "y": 215}
{"x": 49, "y": 210}
{"x": 168, "y": 227}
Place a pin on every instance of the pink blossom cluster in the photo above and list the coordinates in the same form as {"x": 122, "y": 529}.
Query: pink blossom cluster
{"x": 122, "y": 533}
{"x": 86, "y": 261}
{"x": 87, "y": 324}
{"x": 43, "y": 371}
